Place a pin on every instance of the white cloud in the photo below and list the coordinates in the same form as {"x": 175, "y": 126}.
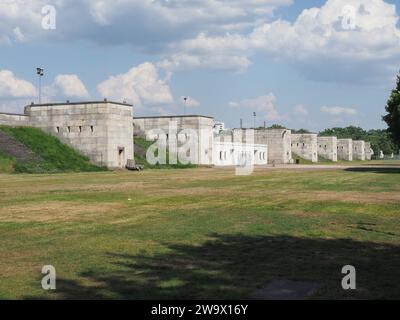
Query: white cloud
{"x": 19, "y": 36}
{"x": 222, "y": 62}
{"x": 167, "y": 15}
{"x": 141, "y": 85}
{"x": 71, "y": 86}
{"x": 13, "y": 87}
{"x": 190, "y": 35}
{"x": 300, "y": 110}
{"x": 226, "y": 53}
{"x": 316, "y": 44}
{"x": 164, "y": 25}
{"x": 20, "y": 20}
{"x": 16, "y": 92}
{"x": 338, "y": 111}
{"x": 263, "y": 104}
{"x": 159, "y": 21}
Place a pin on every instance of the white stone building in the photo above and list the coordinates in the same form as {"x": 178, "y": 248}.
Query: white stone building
{"x": 101, "y": 130}
{"x": 277, "y": 140}
{"x": 328, "y": 148}
{"x": 218, "y": 126}
{"x": 305, "y": 145}
{"x": 219, "y": 149}
{"x": 104, "y": 132}
{"x": 237, "y": 154}
{"x": 345, "y": 149}
{"x": 359, "y": 150}
{"x": 174, "y": 127}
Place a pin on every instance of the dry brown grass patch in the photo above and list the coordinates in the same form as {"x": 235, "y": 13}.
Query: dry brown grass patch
{"x": 55, "y": 211}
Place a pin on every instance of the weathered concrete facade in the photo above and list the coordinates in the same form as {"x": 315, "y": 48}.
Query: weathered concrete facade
{"x": 277, "y": 140}
{"x": 369, "y": 152}
{"x": 220, "y": 149}
{"x": 179, "y": 126}
{"x": 328, "y": 148}
{"x": 17, "y": 120}
{"x": 306, "y": 146}
{"x": 236, "y": 154}
{"x": 102, "y": 131}
{"x": 358, "y": 150}
{"x": 345, "y": 149}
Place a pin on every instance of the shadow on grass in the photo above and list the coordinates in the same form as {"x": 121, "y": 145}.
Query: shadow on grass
{"x": 386, "y": 169}
{"x": 234, "y": 266}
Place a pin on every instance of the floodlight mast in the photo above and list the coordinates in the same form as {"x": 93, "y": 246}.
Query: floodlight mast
{"x": 40, "y": 73}
{"x": 184, "y": 105}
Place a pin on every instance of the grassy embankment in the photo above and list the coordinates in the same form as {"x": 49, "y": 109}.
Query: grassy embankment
{"x": 51, "y": 155}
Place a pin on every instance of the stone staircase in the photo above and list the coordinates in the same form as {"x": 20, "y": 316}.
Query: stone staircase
{"x": 14, "y": 148}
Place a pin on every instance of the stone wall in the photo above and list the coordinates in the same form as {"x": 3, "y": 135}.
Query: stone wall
{"x": 14, "y": 120}
{"x": 328, "y": 148}
{"x": 102, "y": 131}
{"x": 235, "y": 154}
{"x": 345, "y": 149}
{"x": 277, "y": 140}
{"x": 358, "y": 150}
{"x": 154, "y": 127}
{"x": 305, "y": 146}
{"x": 223, "y": 136}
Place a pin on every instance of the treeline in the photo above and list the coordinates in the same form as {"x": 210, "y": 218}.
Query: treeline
{"x": 380, "y": 139}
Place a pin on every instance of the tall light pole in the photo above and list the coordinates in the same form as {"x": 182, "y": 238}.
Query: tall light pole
{"x": 254, "y": 115}
{"x": 185, "y": 99}
{"x": 40, "y": 73}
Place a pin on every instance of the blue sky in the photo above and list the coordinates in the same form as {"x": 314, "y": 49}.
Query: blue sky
{"x": 295, "y": 63}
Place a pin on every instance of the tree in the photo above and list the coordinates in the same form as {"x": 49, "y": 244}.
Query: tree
{"x": 351, "y": 132}
{"x": 277, "y": 126}
{"x": 300, "y": 131}
{"x": 379, "y": 139}
{"x": 393, "y": 117}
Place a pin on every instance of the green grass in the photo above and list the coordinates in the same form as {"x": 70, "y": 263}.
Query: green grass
{"x": 300, "y": 160}
{"x": 6, "y": 163}
{"x": 324, "y": 160}
{"x": 143, "y": 145}
{"x": 55, "y": 157}
{"x": 199, "y": 233}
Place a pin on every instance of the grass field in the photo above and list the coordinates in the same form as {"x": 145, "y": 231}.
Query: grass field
{"x": 6, "y": 163}
{"x": 199, "y": 233}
